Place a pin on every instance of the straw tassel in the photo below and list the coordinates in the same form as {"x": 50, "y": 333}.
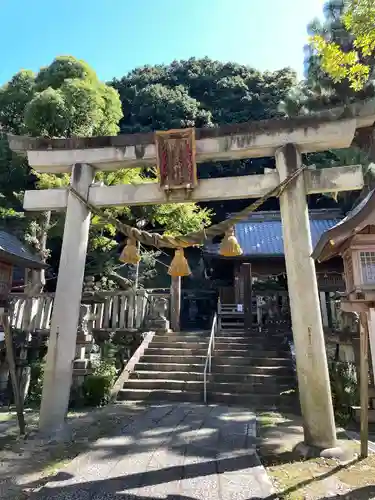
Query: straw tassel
{"x": 179, "y": 265}
{"x": 129, "y": 254}
{"x": 229, "y": 246}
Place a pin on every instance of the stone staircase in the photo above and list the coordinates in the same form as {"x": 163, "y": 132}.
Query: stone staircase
{"x": 254, "y": 371}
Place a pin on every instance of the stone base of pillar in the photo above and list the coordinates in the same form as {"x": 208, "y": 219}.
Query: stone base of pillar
{"x": 340, "y": 453}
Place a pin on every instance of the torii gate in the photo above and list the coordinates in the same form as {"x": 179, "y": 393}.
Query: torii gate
{"x": 284, "y": 139}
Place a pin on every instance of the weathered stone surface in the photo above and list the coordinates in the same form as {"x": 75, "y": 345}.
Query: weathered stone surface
{"x": 173, "y": 451}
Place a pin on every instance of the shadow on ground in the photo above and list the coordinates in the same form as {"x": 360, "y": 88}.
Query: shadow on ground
{"x": 186, "y": 452}
{"x": 278, "y": 435}
{"x": 158, "y": 448}
{"x": 115, "y": 487}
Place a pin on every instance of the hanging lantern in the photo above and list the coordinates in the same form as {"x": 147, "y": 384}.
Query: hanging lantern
{"x": 230, "y": 247}
{"x": 179, "y": 265}
{"x": 129, "y": 254}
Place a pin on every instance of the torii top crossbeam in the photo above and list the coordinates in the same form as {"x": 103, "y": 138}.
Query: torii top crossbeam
{"x": 333, "y": 128}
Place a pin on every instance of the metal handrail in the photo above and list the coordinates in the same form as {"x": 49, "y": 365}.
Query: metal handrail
{"x": 211, "y": 347}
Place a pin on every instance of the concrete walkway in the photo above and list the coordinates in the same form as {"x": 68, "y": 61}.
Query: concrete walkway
{"x": 169, "y": 451}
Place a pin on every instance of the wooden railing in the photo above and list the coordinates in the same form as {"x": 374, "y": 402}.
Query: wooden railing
{"x": 112, "y": 311}
{"x": 272, "y": 308}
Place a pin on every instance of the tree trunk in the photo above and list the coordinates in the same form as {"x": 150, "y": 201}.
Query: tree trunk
{"x": 13, "y": 373}
{"x": 39, "y": 276}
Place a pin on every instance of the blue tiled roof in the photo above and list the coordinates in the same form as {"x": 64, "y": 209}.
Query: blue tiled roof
{"x": 14, "y": 251}
{"x": 264, "y": 237}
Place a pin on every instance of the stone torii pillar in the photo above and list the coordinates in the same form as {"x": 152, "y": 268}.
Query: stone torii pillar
{"x": 311, "y": 358}
{"x": 65, "y": 315}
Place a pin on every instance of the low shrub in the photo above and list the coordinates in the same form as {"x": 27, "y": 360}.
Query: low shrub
{"x": 97, "y": 386}
{"x": 344, "y": 389}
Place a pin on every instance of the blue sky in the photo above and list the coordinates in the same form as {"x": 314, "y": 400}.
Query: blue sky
{"x": 115, "y": 36}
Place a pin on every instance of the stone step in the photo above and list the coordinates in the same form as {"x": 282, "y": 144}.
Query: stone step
{"x": 181, "y": 337}
{"x": 217, "y": 353}
{"x": 220, "y": 370}
{"x": 159, "y": 395}
{"x": 256, "y": 332}
{"x": 248, "y": 388}
{"x": 176, "y": 351}
{"x": 160, "y": 358}
{"x": 260, "y": 402}
{"x": 259, "y": 378}
{"x": 166, "y": 375}
{"x": 252, "y": 336}
{"x": 266, "y": 402}
{"x": 250, "y": 360}
{"x": 166, "y": 384}
{"x": 255, "y": 378}
{"x": 256, "y": 346}
{"x": 222, "y": 345}
{"x": 253, "y": 370}
{"x": 196, "y": 386}
{"x": 249, "y": 352}
{"x": 178, "y": 345}
{"x": 250, "y": 340}
{"x": 174, "y": 340}
{"x": 169, "y": 367}
{"x": 264, "y": 344}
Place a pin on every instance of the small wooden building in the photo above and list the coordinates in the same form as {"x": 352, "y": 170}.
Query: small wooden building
{"x": 15, "y": 259}
{"x": 261, "y": 240}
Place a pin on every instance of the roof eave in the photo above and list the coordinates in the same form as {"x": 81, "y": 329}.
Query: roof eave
{"x": 20, "y": 261}
{"x": 332, "y": 240}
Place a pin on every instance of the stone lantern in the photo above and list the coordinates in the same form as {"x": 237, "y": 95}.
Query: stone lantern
{"x": 354, "y": 240}
{"x": 359, "y": 267}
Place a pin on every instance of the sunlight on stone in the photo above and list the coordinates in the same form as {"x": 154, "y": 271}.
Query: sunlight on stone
{"x": 164, "y": 430}
{"x": 237, "y": 417}
{"x": 197, "y": 433}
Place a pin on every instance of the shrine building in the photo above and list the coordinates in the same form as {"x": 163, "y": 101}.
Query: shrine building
{"x": 261, "y": 240}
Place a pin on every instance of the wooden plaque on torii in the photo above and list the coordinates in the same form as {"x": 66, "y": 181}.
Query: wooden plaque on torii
{"x": 176, "y": 162}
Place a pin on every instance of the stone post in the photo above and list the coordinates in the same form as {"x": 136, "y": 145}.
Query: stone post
{"x": 371, "y": 327}
{"x": 245, "y": 271}
{"x": 64, "y": 322}
{"x": 175, "y": 303}
{"x": 312, "y": 368}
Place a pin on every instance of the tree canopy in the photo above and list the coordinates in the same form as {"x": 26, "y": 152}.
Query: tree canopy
{"x": 319, "y": 90}
{"x": 66, "y": 99}
{"x": 353, "y": 60}
{"x": 201, "y": 93}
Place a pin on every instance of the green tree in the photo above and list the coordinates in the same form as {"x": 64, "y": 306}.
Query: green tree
{"x": 353, "y": 60}
{"x": 199, "y": 92}
{"x": 158, "y": 107}
{"x": 203, "y": 93}
{"x": 61, "y": 69}
{"x": 319, "y": 90}
{"x": 66, "y": 99}
{"x": 14, "y": 97}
